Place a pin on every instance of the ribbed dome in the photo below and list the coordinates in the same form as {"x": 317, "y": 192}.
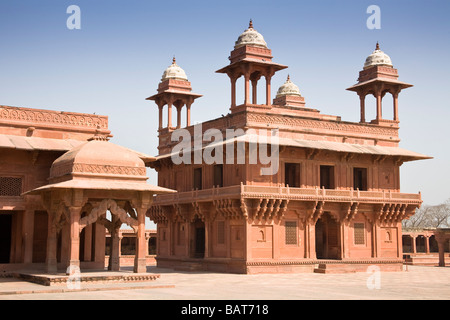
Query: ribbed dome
{"x": 378, "y": 58}
{"x": 101, "y": 159}
{"x": 288, "y": 88}
{"x": 250, "y": 37}
{"x": 174, "y": 72}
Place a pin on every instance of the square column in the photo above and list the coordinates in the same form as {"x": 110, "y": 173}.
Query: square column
{"x": 74, "y": 246}
{"x": 52, "y": 242}
{"x": 28, "y": 232}
{"x": 140, "y": 260}
{"x": 114, "y": 255}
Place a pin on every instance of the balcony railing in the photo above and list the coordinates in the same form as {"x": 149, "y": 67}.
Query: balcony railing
{"x": 281, "y": 192}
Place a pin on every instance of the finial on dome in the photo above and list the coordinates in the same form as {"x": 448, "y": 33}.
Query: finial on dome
{"x": 174, "y": 61}
{"x": 99, "y": 136}
{"x": 250, "y": 25}
{"x": 378, "y": 46}
{"x": 288, "y": 78}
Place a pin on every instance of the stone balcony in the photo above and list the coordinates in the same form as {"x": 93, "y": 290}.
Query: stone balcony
{"x": 271, "y": 202}
{"x": 288, "y": 193}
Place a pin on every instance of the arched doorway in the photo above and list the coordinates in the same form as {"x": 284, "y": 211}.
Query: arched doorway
{"x": 327, "y": 238}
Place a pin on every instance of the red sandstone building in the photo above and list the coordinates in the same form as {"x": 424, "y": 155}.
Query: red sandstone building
{"x": 334, "y": 201}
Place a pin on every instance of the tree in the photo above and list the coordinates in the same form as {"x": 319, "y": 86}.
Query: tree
{"x": 437, "y": 216}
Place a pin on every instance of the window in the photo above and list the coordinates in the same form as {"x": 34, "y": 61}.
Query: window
{"x": 10, "y": 187}
{"x": 198, "y": 178}
{"x": 218, "y": 175}
{"x": 220, "y": 232}
{"x": 292, "y": 175}
{"x": 327, "y": 177}
{"x": 290, "y": 232}
{"x": 359, "y": 233}
{"x": 360, "y": 179}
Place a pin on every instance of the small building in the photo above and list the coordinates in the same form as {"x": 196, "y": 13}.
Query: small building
{"x": 323, "y": 191}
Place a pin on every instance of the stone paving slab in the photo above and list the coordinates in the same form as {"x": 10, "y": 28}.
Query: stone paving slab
{"x": 417, "y": 283}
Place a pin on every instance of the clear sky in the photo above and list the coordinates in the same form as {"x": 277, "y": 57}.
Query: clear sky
{"x": 117, "y": 58}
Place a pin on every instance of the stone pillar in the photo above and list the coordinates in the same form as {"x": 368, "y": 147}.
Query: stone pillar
{"x": 247, "y": 88}
{"x": 207, "y": 236}
{"x": 65, "y": 245}
{"x": 147, "y": 238}
{"x": 188, "y": 114}
{"x": 414, "y": 247}
{"x": 233, "y": 91}
{"x": 395, "y": 97}
{"x": 74, "y": 246}
{"x": 344, "y": 240}
{"x": 88, "y": 243}
{"x": 52, "y": 244}
{"x": 268, "y": 88}
{"x": 28, "y": 233}
{"x": 160, "y": 108}
{"x": 254, "y": 91}
{"x": 310, "y": 244}
{"x": 379, "y": 112}
{"x": 441, "y": 247}
{"x": 427, "y": 244}
{"x": 362, "y": 103}
{"x": 376, "y": 240}
{"x": 169, "y": 115}
{"x": 179, "y": 116}
{"x": 114, "y": 257}
{"x": 100, "y": 243}
{"x": 140, "y": 261}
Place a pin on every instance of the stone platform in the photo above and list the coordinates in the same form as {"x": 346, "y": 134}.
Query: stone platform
{"x": 100, "y": 277}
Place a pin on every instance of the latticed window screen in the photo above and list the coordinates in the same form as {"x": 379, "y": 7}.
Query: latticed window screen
{"x": 10, "y": 187}
{"x": 221, "y": 232}
{"x": 291, "y": 232}
{"x": 359, "y": 233}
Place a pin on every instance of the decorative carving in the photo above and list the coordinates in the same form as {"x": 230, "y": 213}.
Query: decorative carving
{"x": 52, "y": 118}
{"x": 58, "y": 171}
{"x": 337, "y": 127}
{"x": 100, "y": 209}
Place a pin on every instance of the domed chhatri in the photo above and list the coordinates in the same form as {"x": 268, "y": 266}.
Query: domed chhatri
{"x": 174, "y": 72}
{"x": 378, "y": 58}
{"x": 250, "y": 37}
{"x": 288, "y": 89}
{"x": 98, "y": 158}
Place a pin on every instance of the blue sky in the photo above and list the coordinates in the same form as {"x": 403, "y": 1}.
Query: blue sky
{"x": 117, "y": 58}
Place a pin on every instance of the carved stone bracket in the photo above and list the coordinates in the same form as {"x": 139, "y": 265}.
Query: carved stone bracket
{"x": 270, "y": 209}
{"x": 316, "y": 212}
{"x": 229, "y": 208}
{"x": 350, "y": 211}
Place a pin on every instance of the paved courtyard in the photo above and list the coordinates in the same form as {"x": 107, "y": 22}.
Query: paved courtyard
{"x": 417, "y": 282}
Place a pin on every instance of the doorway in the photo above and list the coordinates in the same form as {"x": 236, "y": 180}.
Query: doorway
{"x": 199, "y": 239}
{"x": 5, "y": 237}
{"x": 327, "y": 238}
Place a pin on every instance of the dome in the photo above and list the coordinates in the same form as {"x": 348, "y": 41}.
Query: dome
{"x": 250, "y": 37}
{"x": 288, "y": 89}
{"x": 174, "y": 72}
{"x": 99, "y": 158}
{"x": 378, "y": 58}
